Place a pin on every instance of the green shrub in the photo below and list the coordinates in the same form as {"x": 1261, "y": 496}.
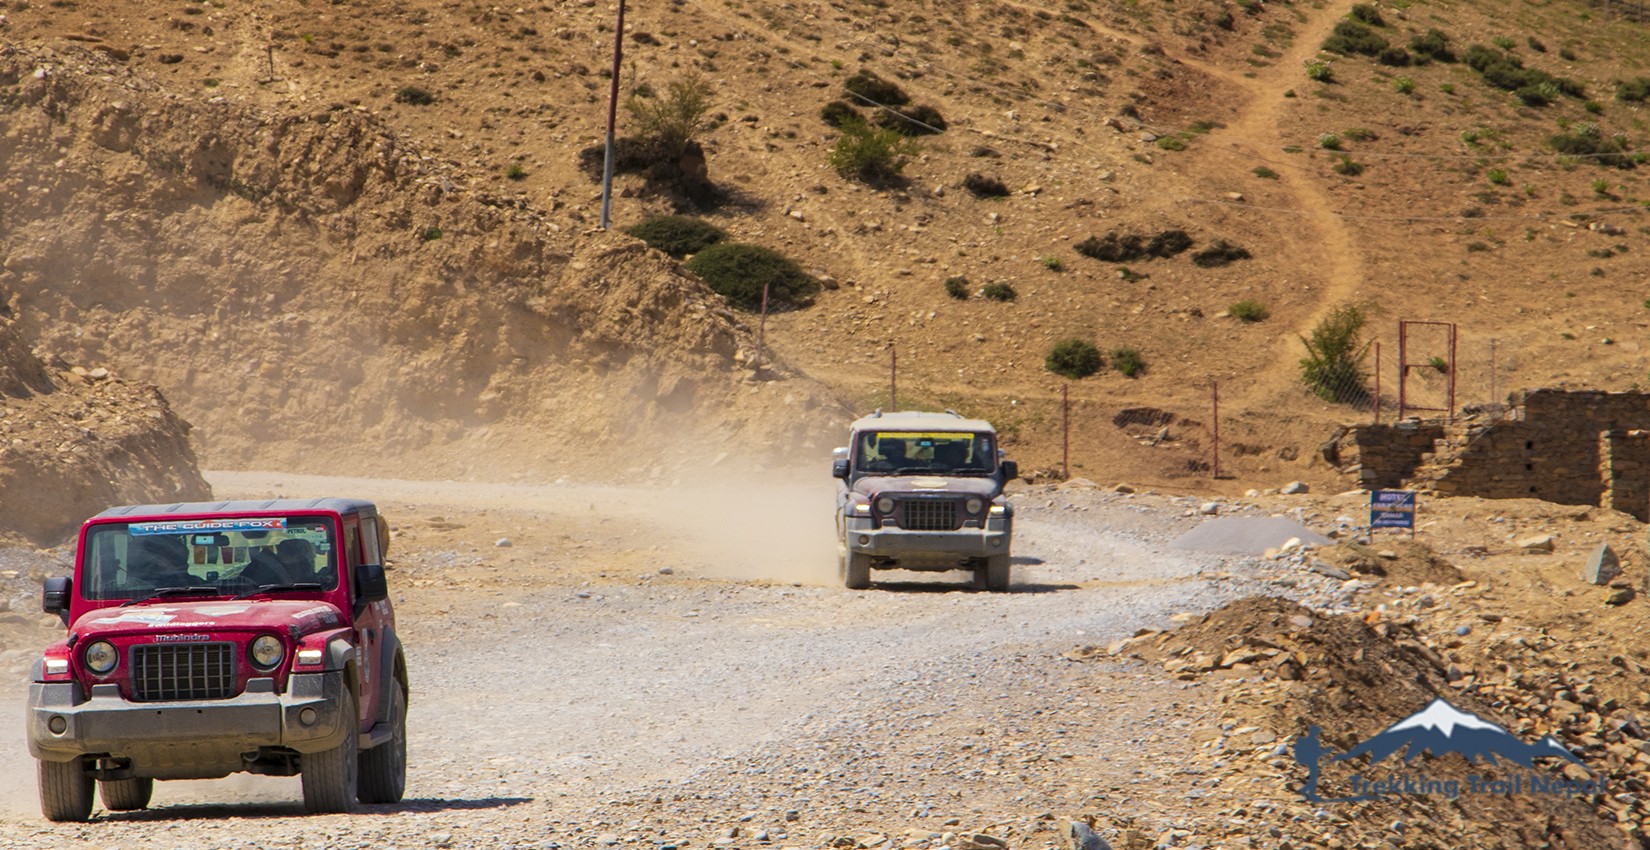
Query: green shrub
{"x": 869, "y": 89}
{"x": 1499, "y": 176}
{"x": 1403, "y": 85}
{"x": 1330, "y": 141}
{"x": 414, "y": 95}
{"x": 1535, "y": 44}
{"x": 998, "y": 292}
{"x": 1317, "y": 70}
{"x": 1503, "y": 42}
{"x": 1584, "y": 140}
{"x": 838, "y": 113}
{"x": 1351, "y": 37}
{"x": 430, "y": 234}
{"x": 515, "y": 172}
{"x": 912, "y": 120}
{"x": 1366, "y": 13}
{"x": 1361, "y": 134}
{"x": 1220, "y": 253}
{"x": 1171, "y": 143}
{"x": 1635, "y": 90}
{"x": 1347, "y": 166}
{"x": 1128, "y": 361}
{"x": 1333, "y": 366}
{"x": 1053, "y": 264}
{"x": 1168, "y": 243}
{"x": 981, "y": 186}
{"x": 1265, "y": 173}
{"x": 957, "y": 287}
{"x": 677, "y": 235}
{"x": 1395, "y": 57}
{"x": 666, "y": 126}
{"x": 1248, "y": 311}
{"x": 874, "y": 155}
{"x": 738, "y": 272}
{"x": 1534, "y": 86}
{"x": 1593, "y": 107}
{"x": 1434, "y": 45}
{"x": 1073, "y": 358}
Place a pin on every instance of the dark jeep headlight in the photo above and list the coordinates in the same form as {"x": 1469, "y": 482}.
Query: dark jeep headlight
{"x": 885, "y": 505}
{"x": 973, "y": 506}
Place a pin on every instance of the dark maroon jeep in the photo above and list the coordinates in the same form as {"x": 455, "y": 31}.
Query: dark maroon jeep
{"x": 923, "y": 491}
{"x": 210, "y": 638}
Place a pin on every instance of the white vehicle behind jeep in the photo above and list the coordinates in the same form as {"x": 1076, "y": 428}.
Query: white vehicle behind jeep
{"x": 923, "y": 491}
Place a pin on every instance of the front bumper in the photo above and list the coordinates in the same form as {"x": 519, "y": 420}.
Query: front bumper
{"x": 183, "y": 738}
{"x": 930, "y": 549}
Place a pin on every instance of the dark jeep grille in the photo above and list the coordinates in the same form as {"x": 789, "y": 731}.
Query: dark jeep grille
{"x": 930, "y": 515}
{"x": 183, "y": 671}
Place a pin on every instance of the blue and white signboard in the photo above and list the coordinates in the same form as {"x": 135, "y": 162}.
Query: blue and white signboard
{"x": 1392, "y": 509}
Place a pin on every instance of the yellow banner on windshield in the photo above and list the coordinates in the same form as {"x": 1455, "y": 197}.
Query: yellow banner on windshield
{"x": 914, "y": 435}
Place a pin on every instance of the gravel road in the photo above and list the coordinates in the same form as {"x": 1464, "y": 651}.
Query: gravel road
{"x": 657, "y": 666}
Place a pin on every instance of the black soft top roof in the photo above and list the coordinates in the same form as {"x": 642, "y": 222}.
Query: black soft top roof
{"x": 242, "y": 506}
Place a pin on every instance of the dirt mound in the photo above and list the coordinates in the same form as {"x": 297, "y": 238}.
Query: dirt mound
{"x": 1284, "y": 669}
{"x": 80, "y": 441}
{"x": 319, "y": 295}
{"x": 1404, "y": 562}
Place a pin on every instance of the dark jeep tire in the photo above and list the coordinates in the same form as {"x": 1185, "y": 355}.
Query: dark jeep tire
{"x": 65, "y": 791}
{"x": 856, "y": 570}
{"x": 126, "y": 795}
{"x": 995, "y": 575}
{"x": 330, "y": 777}
{"x": 384, "y": 767}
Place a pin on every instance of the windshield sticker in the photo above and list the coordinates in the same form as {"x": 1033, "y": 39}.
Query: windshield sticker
{"x": 950, "y": 436}
{"x": 929, "y": 483}
{"x": 187, "y": 526}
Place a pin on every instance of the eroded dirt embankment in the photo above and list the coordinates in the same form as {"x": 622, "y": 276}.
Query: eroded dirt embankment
{"x": 73, "y": 443}
{"x": 306, "y": 283}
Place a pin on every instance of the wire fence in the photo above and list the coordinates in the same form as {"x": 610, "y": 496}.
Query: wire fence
{"x": 1637, "y": 10}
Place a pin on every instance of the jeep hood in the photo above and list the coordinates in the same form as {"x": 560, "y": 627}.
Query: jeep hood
{"x": 875, "y": 485}
{"x": 304, "y": 615}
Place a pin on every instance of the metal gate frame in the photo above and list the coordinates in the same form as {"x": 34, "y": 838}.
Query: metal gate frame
{"x": 1404, "y": 366}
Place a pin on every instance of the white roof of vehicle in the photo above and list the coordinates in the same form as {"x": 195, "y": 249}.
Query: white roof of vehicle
{"x": 916, "y": 420}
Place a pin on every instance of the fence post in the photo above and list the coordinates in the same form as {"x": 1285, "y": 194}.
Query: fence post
{"x": 1377, "y": 383}
{"x": 893, "y": 377}
{"x": 1065, "y": 433}
{"x": 1214, "y": 390}
{"x": 762, "y": 332}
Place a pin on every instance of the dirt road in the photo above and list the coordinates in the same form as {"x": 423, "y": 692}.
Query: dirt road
{"x": 664, "y": 666}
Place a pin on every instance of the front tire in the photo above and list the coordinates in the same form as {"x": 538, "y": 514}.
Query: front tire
{"x": 126, "y": 795}
{"x": 330, "y": 777}
{"x": 65, "y": 791}
{"x": 384, "y": 767}
{"x": 997, "y": 573}
{"x": 856, "y": 570}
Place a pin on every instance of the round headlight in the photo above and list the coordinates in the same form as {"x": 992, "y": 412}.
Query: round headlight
{"x": 885, "y": 505}
{"x": 267, "y": 651}
{"x": 101, "y": 657}
{"x": 974, "y": 505}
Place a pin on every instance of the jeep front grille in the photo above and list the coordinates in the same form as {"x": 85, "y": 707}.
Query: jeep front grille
{"x": 183, "y": 671}
{"x": 929, "y": 515}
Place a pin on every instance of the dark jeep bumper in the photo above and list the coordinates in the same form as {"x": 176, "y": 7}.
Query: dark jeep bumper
{"x": 930, "y": 550}
{"x": 183, "y": 738}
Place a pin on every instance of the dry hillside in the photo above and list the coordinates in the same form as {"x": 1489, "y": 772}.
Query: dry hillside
{"x": 233, "y": 200}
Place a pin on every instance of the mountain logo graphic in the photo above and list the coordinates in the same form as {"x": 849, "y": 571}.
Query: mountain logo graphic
{"x": 1438, "y": 729}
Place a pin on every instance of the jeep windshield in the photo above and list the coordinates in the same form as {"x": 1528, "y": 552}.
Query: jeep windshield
{"x": 925, "y": 453}
{"x": 209, "y": 557}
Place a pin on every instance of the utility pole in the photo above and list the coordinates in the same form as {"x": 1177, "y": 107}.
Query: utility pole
{"x": 612, "y": 119}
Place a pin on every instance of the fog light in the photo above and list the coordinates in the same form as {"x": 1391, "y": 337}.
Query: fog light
{"x": 307, "y": 717}
{"x": 865, "y": 540}
{"x": 996, "y": 541}
{"x": 58, "y": 724}
{"x": 309, "y": 657}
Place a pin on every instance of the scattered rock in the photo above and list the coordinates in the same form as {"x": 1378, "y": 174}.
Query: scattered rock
{"x": 1602, "y": 566}
{"x": 1209, "y": 508}
{"x": 1079, "y": 836}
{"x": 1620, "y": 596}
{"x": 1536, "y": 543}
{"x": 503, "y": 543}
{"x": 1295, "y": 487}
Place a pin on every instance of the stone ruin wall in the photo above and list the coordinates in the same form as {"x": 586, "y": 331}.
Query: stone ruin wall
{"x": 1567, "y": 447}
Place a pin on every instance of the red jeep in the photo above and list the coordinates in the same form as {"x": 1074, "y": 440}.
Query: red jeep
{"x": 210, "y": 638}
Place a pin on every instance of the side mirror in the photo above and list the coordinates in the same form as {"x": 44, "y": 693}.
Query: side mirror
{"x": 54, "y": 599}
{"x": 370, "y": 584}
{"x": 839, "y": 453}
{"x": 839, "y": 469}
{"x": 1011, "y": 471}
